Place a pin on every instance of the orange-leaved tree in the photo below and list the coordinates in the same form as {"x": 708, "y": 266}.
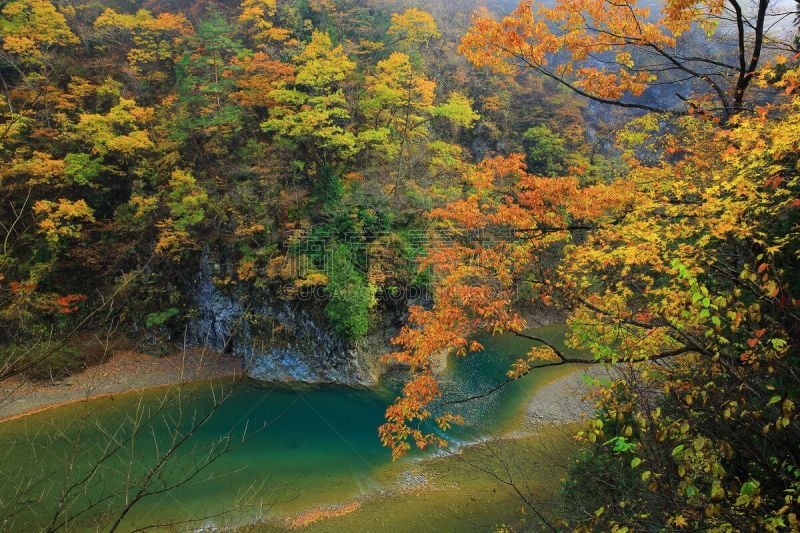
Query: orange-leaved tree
{"x": 706, "y": 53}
{"x": 499, "y": 236}
{"x": 689, "y": 260}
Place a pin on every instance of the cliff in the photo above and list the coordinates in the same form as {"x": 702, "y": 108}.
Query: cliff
{"x": 282, "y": 340}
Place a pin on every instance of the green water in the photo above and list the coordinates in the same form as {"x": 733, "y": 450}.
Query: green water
{"x": 293, "y": 448}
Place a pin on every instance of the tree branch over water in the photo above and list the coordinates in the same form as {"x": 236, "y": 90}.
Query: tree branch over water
{"x": 563, "y": 360}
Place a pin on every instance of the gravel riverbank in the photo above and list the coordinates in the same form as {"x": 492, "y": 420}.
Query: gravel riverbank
{"x": 124, "y": 371}
{"x": 562, "y": 401}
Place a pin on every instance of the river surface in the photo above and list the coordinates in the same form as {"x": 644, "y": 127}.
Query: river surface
{"x": 291, "y": 449}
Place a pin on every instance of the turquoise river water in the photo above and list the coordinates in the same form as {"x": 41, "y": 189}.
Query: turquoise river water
{"x": 292, "y": 448}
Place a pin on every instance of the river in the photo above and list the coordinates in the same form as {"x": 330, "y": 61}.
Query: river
{"x": 297, "y": 453}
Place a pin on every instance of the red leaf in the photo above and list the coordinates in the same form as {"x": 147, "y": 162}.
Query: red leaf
{"x": 774, "y": 182}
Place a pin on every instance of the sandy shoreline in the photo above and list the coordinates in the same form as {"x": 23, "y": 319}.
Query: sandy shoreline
{"x": 563, "y": 400}
{"x": 124, "y": 371}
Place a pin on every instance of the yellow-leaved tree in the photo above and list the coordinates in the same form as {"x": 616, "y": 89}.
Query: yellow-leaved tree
{"x": 683, "y": 269}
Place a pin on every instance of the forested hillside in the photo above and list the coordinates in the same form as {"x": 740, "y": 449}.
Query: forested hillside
{"x": 330, "y": 189}
{"x": 140, "y": 138}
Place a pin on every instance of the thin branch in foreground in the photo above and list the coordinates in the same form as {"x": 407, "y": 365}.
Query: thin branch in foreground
{"x": 563, "y": 360}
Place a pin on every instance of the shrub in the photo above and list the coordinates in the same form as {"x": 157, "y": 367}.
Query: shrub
{"x": 350, "y": 295}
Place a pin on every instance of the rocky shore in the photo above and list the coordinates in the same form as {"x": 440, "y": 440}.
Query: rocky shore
{"x": 123, "y": 371}
{"x": 563, "y": 400}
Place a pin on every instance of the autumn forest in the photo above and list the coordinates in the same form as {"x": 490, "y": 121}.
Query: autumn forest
{"x": 399, "y": 265}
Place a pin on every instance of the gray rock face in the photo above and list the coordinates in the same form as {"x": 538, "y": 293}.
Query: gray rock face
{"x": 219, "y": 315}
{"x": 279, "y": 340}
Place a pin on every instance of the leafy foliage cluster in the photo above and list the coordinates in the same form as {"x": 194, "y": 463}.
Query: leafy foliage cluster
{"x": 132, "y": 139}
{"x": 681, "y": 273}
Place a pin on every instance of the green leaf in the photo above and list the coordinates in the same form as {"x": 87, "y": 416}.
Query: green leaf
{"x": 749, "y": 488}
{"x": 157, "y": 319}
{"x": 778, "y": 344}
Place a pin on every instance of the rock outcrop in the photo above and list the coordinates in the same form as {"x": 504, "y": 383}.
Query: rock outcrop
{"x": 281, "y": 340}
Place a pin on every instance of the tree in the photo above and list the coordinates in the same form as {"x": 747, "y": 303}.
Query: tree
{"x": 259, "y": 18}
{"x": 30, "y": 27}
{"x": 62, "y": 219}
{"x": 475, "y": 284}
{"x": 151, "y": 43}
{"x": 690, "y": 258}
{"x": 722, "y": 288}
{"x": 398, "y": 106}
{"x": 544, "y": 149}
{"x": 257, "y": 75}
{"x": 31, "y": 31}
{"x": 206, "y": 115}
{"x": 413, "y": 28}
{"x": 119, "y": 132}
{"x": 311, "y": 114}
{"x": 606, "y": 51}
{"x": 186, "y": 201}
